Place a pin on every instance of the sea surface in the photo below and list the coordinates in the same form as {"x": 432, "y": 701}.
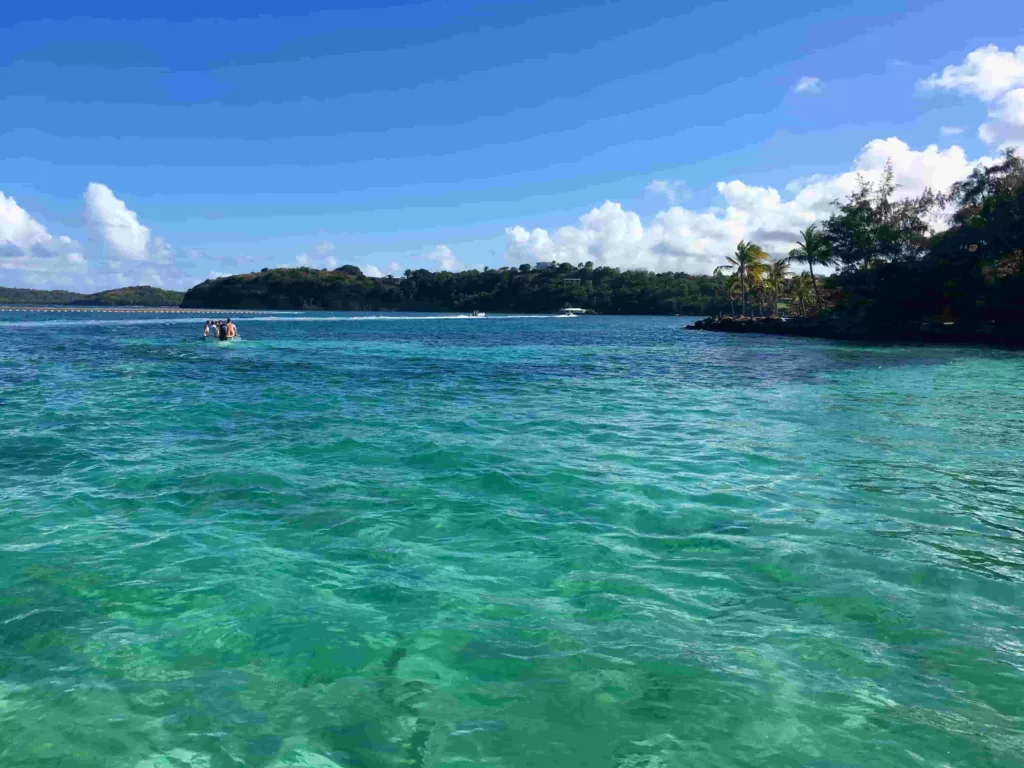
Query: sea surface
{"x": 508, "y": 541}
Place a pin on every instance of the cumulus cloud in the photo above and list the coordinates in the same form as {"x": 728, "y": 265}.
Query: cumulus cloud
{"x": 808, "y": 85}
{"x": 56, "y": 270}
{"x": 149, "y": 276}
{"x": 18, "y": 229}
{"x": 124, "y": 251}
{"x": 119, "y": 228}
{"x": 30, "y": 254}
{"x": 987, "y": 73}
{"x": 134, "y": 255}
{"x": 995, "y": 77}
{"x": 671, "y": 189}
{"x": 681, "y": 239}
{"x": 321, "y": 257}
{"x": 445, "y": 259}
{"x": 393, "y": 268}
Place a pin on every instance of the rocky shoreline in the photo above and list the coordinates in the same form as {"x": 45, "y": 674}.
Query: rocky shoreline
{"x": 844, "y": 329}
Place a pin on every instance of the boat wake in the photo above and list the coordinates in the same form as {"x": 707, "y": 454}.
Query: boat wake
{"x": 262, "y": 319}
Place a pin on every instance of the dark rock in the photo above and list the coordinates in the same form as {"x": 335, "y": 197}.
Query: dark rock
{"x": 844, "y": 328}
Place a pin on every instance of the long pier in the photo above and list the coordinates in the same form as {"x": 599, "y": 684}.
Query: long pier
{"x": 135, "y": 310}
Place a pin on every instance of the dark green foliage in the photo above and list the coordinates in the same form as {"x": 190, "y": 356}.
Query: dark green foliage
{"x": 604, "y": 290}
{"x": 815, "y": 247}
{"x": 872, "y": 227}
{"x": 30, "y": 296}
{"x": 133, "y": 296}
{"x": 972, "y": 272}
{"x": 893, "y": 271}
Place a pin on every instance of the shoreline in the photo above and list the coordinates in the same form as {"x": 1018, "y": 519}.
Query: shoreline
{"x": 150, "y": 310}
{"x": 839, "y": 329}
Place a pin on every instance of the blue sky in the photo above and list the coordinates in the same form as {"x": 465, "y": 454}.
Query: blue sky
{"x": 226, "y": 137}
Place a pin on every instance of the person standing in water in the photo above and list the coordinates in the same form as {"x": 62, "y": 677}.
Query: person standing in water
{"x": 207, "y": 327}
{"x": 232, "y": 331}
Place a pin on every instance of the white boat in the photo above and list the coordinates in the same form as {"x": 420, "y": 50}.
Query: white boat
{"x": 475, "y": 313}
{"x": 572, "y": 312}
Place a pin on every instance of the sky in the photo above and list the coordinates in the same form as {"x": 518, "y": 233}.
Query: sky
{"x": 168, "y": 143}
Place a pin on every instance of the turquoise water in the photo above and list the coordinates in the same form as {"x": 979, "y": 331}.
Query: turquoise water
{"x": 504, "y": 542}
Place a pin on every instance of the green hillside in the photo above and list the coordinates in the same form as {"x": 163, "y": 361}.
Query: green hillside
{"x": 605, "y": 290}
{"x": 132, "y": 296}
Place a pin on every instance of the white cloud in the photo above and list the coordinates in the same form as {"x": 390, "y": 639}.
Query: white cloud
{"x": 149, "y": 276}
{"x": 671, "y": 189}
{"x": 1008, "y": 126}
{"x": 372, "y": 271}
{"x": 31, "y": 255}
{"x": 119, "y": 228}
{"x": 320, "y": 256}
{"x": 986, "y": 73}
{"x": 214, "y": 275}
{"x": 18, "y": 229}
{"x": 680, "y": 239}
{"x": 134, "y": 255}
{"x": 445, "y": 259}
{"x": 64, "y": 270}
{"x": 808, "y": 85}
{"x": 951, "y": 130}
{"x": 996, "y": 78}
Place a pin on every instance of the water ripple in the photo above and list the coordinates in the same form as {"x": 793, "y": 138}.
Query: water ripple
{"x": 606, "y": 542}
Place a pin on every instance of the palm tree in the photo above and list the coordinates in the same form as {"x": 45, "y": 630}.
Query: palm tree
{"x": 756, "y": 288}
{"x": 732, "y": 285}
{"x": 801, "y": 287}
{"x": 749, "y": 265}
{"x": 761, "y": 285}
{"x": 778, "y": 271}
{"x": 815, "y": 248}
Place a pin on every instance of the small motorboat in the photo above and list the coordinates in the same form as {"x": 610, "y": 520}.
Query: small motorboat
{"x": 477, "y": 313}
{"x": 572, "y": 312}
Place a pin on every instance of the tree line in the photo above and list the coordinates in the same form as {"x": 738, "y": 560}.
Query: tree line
{"x": 527, "y": 289}
{"x": 956, "y": 254}
{"x": 950, "y": 256}
{"x": 133, "y": 296}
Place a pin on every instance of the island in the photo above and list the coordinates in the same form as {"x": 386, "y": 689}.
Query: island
{"x": 524, "y": 289}
{"x": 943, "y": 267}
{"x": 131, "y": 296}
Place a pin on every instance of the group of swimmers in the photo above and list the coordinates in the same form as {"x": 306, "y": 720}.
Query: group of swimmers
{"x": 222, "y": 330}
